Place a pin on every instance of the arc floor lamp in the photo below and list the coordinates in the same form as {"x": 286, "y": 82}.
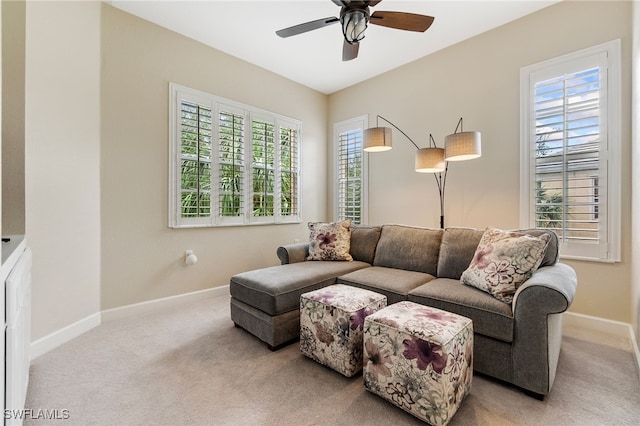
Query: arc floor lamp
{"x": 458, "y": 146}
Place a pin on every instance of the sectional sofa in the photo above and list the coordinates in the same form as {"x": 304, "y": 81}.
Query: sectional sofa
{"x": 517, "y": 342}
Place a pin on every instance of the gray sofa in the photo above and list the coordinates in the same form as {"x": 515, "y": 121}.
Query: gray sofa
{"x": 518, "y": 343}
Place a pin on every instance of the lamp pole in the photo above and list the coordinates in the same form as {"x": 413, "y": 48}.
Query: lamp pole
{"x": 441, "y": 181}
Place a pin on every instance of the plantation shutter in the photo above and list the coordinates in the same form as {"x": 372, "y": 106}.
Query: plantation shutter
{"x": 262, "y": 167}
{"x": 195, "y": 160}
{"x": 289, "y": 170}
{"x": 567, "y": 156}
{"x": 571, "y": 147}
{"x": 231, "y": 167}
{"x": 350, "y": 175}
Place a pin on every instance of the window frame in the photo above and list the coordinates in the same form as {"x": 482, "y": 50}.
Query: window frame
{"x": 353, "y": 124}
{"x": 178, "y": 94}
{"x": 607, "y": 56}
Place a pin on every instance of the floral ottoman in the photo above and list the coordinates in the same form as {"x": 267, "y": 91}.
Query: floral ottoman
{"x": 331, "y": 323}
{"x": 420, "y": 359}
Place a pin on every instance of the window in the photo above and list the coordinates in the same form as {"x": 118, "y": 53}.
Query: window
{"x": 350, "y": 170}
{"x": 231, "y": 164}
{"x": 570, "y": 145}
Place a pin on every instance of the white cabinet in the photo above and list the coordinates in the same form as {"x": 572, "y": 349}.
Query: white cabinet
{"x": 16, "y": 275}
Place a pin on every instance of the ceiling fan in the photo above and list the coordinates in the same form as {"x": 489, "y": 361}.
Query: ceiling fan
{"x": 354, "y": 17}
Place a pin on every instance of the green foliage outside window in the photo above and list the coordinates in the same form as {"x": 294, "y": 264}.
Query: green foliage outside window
{"x": 263, "y": 149}
{"x": 548, "y": 208}
{"x": 288, "y": 176}
{"x": 196, "y": 160}
{"x": 231, "y": 152}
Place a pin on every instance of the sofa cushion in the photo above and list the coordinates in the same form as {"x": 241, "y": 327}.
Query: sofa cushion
{"x": 393, "y": 283}
{"x": 409, "y": 248}
{"x": 459, "y": 245}
{"x": 456, "y": 251}
{"x": 490, "y": 316}
{"x": 330, "y": 241}
{"x": 364, "y": 240}
{"x": 277, "y": 289}
{"x": 503, "y": 261}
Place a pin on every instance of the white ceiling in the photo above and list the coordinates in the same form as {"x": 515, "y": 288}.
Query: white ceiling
{"x": 246, "y": 29}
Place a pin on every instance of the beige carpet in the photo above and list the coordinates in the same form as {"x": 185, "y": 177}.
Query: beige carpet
{"x": 190, "y": 366}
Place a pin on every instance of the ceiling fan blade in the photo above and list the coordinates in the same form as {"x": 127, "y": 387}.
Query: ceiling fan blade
{"x": 307, "y": 26}
{"x": 402, "y": 20}
{"x": 350, "y": 51}
{"x": 373, "y": 2}
{"x": 341, "y": 3}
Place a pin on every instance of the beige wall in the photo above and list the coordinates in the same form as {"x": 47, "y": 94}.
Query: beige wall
{"x": 62, "y": 127}
{"x": 13, "y": 50}
{"x": 478, "y": 79}
{"x": 635, "y": 278}
{"x": 142, "y": 259}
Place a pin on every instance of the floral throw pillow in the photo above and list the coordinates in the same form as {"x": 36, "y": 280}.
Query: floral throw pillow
{"x": 503, "y": 261}
{"x": 330, "y": 241}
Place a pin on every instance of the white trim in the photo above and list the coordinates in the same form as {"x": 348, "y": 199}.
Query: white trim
{"x": 149, "y": 306}
{"x": 598, "y": 330}
{"x": 63, "y": 335}
{"x": 611, "y": 333}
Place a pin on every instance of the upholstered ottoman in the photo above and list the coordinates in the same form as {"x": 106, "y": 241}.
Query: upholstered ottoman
{"x": 419, "y": 358}
{"x": 331, "y": 324}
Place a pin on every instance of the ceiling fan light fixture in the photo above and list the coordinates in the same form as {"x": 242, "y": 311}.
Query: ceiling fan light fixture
{"x": 354, "y": 22}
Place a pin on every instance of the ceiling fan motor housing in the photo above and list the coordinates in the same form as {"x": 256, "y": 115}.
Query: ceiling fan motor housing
{"x": 354, "y": 20}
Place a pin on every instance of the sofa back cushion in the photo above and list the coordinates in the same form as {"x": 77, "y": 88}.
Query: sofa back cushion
{"x": 459, "y": 245}
{"x": 457, "y": 250}
{"x": 409, "y": 248}
{"x": 364, "y": 240}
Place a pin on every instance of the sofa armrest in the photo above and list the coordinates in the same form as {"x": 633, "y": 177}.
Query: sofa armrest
{"x": 293, "y": 253}
{"x": 537, "y": 308}
{"x": 559, "y": 278}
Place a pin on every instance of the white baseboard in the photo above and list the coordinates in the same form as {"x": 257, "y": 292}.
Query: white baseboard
{"x": 163, "y": 303}
{"x": 616, "y": 334}
{"x": 65, "y": 334}
{"x": 59, "y": 337}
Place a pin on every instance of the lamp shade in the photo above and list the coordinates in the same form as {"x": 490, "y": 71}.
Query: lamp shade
{"x": 462, "y": 146}
{"x": 430, "y": 160}
{"x": 377, "y": 139}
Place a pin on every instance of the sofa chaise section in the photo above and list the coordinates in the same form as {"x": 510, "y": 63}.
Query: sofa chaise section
{"x": 266, "y": 301}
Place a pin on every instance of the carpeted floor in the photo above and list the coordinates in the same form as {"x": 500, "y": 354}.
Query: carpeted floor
{"x": 190, "y": 366}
